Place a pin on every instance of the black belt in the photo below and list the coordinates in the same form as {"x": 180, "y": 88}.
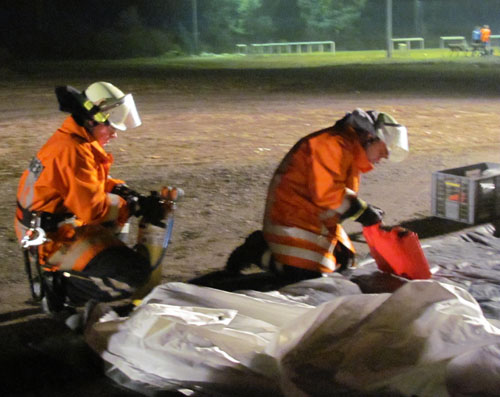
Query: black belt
{"x": 48, "y": 221}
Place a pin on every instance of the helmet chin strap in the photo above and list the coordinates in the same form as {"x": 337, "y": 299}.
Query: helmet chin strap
{"x": 90, "y": 125}
{"x": 366, "y": 138}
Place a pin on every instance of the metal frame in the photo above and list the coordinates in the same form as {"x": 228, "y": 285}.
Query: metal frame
{"x": 36, "y": 276}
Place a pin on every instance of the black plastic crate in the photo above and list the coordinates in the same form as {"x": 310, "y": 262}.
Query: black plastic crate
{"x": 469, "y": 194}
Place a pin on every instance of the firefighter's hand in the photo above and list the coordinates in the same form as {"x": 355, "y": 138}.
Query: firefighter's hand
{"x": 130, "y": 196}
{"x": 370, "y": 216}
{"x": 152, "y": 208}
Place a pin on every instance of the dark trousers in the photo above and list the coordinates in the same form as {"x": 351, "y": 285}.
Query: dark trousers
{"x": 275, "y": 275}
{"x": 113, "y": 274}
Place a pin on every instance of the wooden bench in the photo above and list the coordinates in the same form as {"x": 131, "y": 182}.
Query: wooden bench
{"x": 289, "y": 47}
{"x": 241, "y": 49}
{"x": 408, "y": 41}
{"x": 455, "y": 39}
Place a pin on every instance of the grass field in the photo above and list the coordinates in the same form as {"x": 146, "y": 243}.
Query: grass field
{"x": 428, "y": 71}
{"x": 270, "y": 61}
{"x": 267, "y": 61}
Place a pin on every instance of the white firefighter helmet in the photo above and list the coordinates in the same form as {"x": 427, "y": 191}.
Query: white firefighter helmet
{"x": 394, "y": 135}
{"x": 115, "y": 107}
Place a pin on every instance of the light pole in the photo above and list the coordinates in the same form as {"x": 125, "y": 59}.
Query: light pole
{"x": 195, "y": 25}
{"x": 418, "y": 15}
{"x": 388, "y": 30}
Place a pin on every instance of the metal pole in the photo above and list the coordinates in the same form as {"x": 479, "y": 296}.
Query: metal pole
{"x": 419, "y": 21}
{"x": 389, "y": 28}
{"x": 195, "y": 26}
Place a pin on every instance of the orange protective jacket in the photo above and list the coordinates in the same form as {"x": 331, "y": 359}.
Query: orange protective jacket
{"x": 70, "y": 178}
{"x": 485, "y": 35}
{"x": 301, "y": 225}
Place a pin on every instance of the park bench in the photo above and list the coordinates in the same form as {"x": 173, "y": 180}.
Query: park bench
{"x": 286, "y": 47}
{"x": 453, "y": 39}
{"x": 408, "y": 41}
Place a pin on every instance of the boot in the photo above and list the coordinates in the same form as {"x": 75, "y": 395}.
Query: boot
{"x": 247, "y": 254}
{"x": 344, "y": 257}
{"x": 54, "y": 297}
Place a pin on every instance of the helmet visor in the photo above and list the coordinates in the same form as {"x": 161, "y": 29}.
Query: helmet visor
{"x": 394, "y": 135}
{"x": 123, "y": 114}
{"x": 396, "y": 139}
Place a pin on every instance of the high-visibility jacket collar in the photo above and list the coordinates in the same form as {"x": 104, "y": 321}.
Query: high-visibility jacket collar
{"x": 71, "y": 127}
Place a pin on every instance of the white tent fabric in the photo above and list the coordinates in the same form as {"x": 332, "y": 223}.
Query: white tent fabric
{"x": 314, "y": 338}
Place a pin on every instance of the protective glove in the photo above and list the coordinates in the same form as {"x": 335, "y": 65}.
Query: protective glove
{"x": 360, "y": 211}
{"x": 132, "y": 198}
{"x": 370, "y": 216}
{"x": 152, "y": 208}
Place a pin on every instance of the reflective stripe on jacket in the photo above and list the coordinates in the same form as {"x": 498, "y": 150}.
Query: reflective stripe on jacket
{"x": 301, "y": 225}
{"x": 70, "y": 174}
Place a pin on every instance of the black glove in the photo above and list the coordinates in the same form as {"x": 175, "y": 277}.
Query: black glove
{"x": 132, "y": 198}
{"x": 152, "y": 208}
{"x": 360, "y": 211}
{"x": 370, "y": 216}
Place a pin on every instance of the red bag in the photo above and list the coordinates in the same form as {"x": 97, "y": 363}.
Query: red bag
{"x": 397, "y": 251}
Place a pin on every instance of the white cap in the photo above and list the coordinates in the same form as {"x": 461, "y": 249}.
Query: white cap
{"x": 115, "y": 107}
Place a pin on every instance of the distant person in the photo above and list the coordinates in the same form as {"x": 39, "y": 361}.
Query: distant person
{"x": 476, "y": 35}
{"x": 485, "y": 39}
{"x": 67, "y": 189}
{"x": 313, "y": 191}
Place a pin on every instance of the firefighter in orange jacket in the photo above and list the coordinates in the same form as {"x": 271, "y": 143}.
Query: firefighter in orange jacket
{"x": 485, "y": 34}
{"x": 67, "y": 191}
{"x": 313, "y": 190}
{"x": 485, "y": 40}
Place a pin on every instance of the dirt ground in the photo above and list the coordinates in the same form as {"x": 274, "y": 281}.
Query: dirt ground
{"x": 220, "y": 144}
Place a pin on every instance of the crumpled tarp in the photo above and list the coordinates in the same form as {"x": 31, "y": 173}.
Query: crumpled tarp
{"x": 469, "y": 259}
{"x": 320, "y": 337}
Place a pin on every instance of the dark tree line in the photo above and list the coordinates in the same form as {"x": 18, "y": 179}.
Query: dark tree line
{"x": 73, "y": 29}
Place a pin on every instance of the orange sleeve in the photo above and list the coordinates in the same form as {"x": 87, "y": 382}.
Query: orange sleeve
{"x": 111, "y": 183}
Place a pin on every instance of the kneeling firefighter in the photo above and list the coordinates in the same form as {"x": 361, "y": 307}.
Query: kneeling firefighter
{"x": 68, "y": 193}
{"x": 314, "y": 190}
